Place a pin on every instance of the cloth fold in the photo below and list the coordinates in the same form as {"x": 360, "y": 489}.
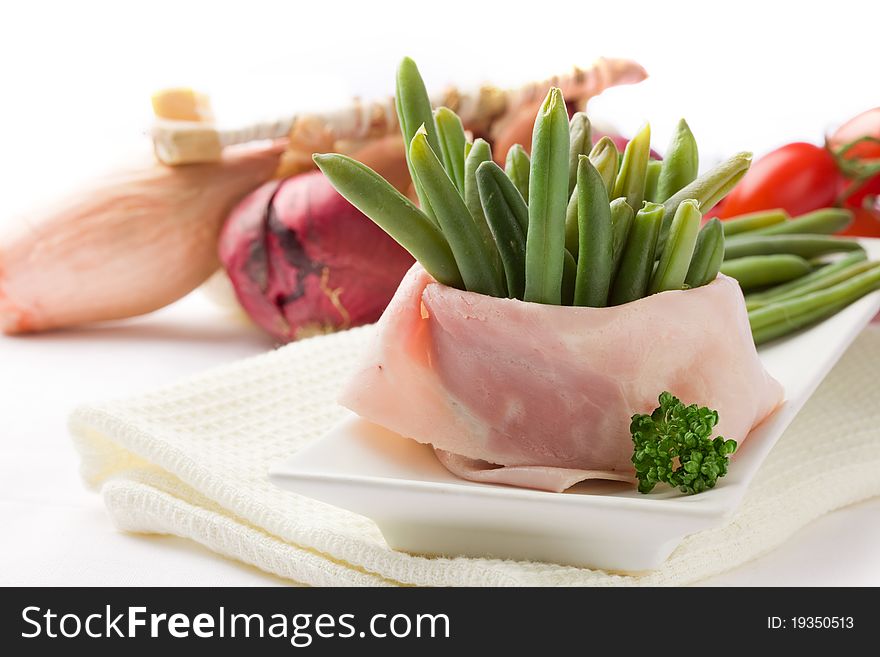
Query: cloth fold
{"x": 191, "y": 460}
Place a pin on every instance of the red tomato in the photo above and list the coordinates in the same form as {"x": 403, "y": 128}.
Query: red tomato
{"x": 865, "y": 204}
{"x": 866, "y": 124}
{"x": 861, "y": 161}
{"x": 798, "y": 177}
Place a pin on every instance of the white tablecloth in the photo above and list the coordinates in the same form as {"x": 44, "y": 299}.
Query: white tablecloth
{"x": 57, "y": 533}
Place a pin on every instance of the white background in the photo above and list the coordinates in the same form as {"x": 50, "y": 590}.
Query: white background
{"x": 75, "y": 80}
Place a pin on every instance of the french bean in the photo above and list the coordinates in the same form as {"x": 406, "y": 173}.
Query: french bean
{"x": 580, "y": 143}
{"x": 475, "y": 263}
{"x": 753, "y": 221}
{"x": 820, "y": 273}
{"x": 637, "y": 262}
{"x": 452, "y": 140}
{"x": 594, "y": 259}
{"x": 606, "y": 158}
{"x": 819, "y": 283}
{"x": 517, "y": 169}
{"x": 394, "y": 213}
{"x": 480, "y": 152}
{"x": 806, "y": 246}
{"x": 681, "y": 163}
{"x": 414, "y": 111}
{"x": 507, "y": 215}
{"x": 707, "y": 190}
{"x": 571, "y": 222}
{"x": 548, "y": 196}
{"x": 708, "y": 255}
{"x": 621, "y": 222}
{"x": 826, "y": 221}
{"x": 676, "y": 258}
{"x": 652, "y": 177}
{"x": 760, "y": 271}
{"x": 778, "y": 319}
{"x": 630, "y": 180}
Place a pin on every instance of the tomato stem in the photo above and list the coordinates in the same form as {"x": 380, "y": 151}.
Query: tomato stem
{"x": 843, "y": 150}
{"x": 856, "y": 169}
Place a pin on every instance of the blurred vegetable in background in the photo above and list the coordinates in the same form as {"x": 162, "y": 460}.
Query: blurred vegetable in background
{"x": 303, "y": 260}
{"x": 802, "y": 177}
{"x": 797, "y": 177}
{"x": 857, "y": 143}
{"x": 130, "y": 243}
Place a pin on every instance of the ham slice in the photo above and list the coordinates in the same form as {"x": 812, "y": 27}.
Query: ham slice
{"x": 542, "y": 477}
{"x": 541, "y": 396}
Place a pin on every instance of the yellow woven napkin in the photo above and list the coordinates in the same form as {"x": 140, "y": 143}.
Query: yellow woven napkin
{"x": 191, "y": 460}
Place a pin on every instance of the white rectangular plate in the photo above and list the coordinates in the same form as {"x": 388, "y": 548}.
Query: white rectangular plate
{"x": 421, "y": 508}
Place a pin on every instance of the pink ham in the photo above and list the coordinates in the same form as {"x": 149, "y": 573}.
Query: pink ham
{"x": 541, "y": 396}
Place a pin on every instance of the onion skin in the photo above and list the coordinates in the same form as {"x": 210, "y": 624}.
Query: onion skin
{"x": 304, "y": 261}
{"x": 128, "y": 244}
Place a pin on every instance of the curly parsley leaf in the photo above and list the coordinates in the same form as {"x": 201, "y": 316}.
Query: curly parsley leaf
{"x": 673, "y": 445}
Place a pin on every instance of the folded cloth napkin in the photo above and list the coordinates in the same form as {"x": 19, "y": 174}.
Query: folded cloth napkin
{"x": 191, "y": 460}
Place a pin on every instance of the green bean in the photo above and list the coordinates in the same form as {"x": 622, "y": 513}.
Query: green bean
{"x": 548, "y": 195}
{"x": 474, "y": 261}
{"x": 517, "y": 169}
{"x": 606, "y": 158}
{"x": 621, "y": 221}
{"x": 753, "y": 221}
{"x": 826, "y": 221}
{"x": 637, "y": 262}
{"x": 452, "y": 140}
{"x": 652, "y": 176}
{"x": 480, "y": 152}
{"x": 571, "y": 222}
{"x": 778, "y": 319}
{"x": 713, "y": 185}
{"x": 760, "y": 271}
{"x": 413, "y": 111}
{"x": 580, "y": 143}
{"x": 569, "y": 278}
{"x": 394, "y": 213}
{"x": 827, "y": 279}
{"x": 676, "y": 258}
{"x": 707, "y": 190}
{"x": 508, "y": 217}
{"x": 630, "y": 180}
{"x": 708, "y": 255}
{"x": 823, "y": 263}
{"x": 819, "y": 274}
{"x": 681, "y": 163}
{"x": 805, "y": 246}
{"x": 512, "y": 198}
{"x": 595, "y": 241}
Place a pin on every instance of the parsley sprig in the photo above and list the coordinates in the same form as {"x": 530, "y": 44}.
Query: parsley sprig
{"x": 673, "y": 445}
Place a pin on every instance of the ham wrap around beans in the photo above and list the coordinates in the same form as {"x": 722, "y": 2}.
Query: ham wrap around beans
{"x": 541, "y": 396}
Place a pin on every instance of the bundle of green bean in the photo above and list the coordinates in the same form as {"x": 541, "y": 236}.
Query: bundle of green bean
{"x": 580, "y": 224}
{"x": 795, "y": 271}
{"x": 575, "y": 224}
